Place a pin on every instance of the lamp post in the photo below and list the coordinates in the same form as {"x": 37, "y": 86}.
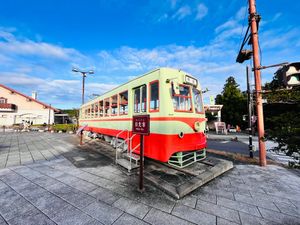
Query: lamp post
{"x": 83, "y": 73}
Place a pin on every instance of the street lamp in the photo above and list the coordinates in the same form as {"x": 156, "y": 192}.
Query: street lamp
{"x": 83, "y": 73}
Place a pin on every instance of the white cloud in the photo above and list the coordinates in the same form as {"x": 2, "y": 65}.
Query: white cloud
{"x": 202, "y": 11}
{"x": 227, "y": 25}
{"x": 60, "y": 93}
{"x": 11, "y": 45}
{"x": 241, "y": 14}
{"x": 182, "y": 12}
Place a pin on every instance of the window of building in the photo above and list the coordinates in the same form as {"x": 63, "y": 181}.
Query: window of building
{"x": 140, "y": 99}
{"x": 123, "y": 103}
{"x": 106, "y": 107}
{"x": 198, "y": 101}
{"x": 3, "y": 100}
{"x": 114, "y": 105}
{"x": 182, "y": 101}
{"x": 154, "y": 96}
{"x": 101, "y": 108}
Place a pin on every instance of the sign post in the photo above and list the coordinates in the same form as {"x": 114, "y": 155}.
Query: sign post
{"x": 141, "y": 126}
{"x": 80, "y": 132}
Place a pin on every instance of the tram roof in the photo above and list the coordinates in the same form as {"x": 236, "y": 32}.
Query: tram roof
{"x": 145, "y": 74}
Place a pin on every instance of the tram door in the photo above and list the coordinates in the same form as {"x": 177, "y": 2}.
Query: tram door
{"x": 139, "y": 107}
{"x": 140, "y": 99}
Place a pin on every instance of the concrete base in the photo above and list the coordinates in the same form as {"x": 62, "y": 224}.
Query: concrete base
{"x": 180, "y": 182}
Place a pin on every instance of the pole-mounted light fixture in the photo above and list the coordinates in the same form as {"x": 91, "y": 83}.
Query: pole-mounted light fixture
{"x": 83, "y": 73}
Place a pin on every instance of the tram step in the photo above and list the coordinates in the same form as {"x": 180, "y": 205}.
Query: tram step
{"x": 134, "y": 157}
{"x": 126, "y": 164}
{"x": 120, "y": 150}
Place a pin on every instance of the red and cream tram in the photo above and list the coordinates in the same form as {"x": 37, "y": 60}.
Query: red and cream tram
{"x": 171, "y": 97}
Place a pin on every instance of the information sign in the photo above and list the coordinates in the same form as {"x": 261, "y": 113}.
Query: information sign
{"x": 141, "y": 124}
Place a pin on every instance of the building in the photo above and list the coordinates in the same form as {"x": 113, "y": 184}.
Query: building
{"x": 16, "y": 108}
{"x": 215, "y": 110}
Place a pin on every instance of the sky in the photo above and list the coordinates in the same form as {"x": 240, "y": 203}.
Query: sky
{"x": 41, "y": 41}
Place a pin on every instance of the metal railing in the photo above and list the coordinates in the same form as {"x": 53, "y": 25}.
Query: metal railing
{"x": 123, "y": 142}
{"x": 117, "y": 136}
{"x": 132, "y": 149}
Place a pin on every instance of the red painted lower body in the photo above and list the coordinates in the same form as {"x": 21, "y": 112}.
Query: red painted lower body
{"x": 160, "y": 146}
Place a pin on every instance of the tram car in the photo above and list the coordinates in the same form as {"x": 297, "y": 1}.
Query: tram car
{"x": 172, "y": 98}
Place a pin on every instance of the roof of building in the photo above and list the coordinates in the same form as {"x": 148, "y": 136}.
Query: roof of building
{"x": 30, "y": 98}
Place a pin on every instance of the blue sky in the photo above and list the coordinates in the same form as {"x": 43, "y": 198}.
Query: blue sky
{"x": 40, "y": 42}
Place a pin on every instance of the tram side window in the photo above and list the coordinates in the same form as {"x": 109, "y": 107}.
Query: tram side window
{"x": 137, "y": 100}
{"x": 144, "y": 98}
{"x": 92, "y": 111}
{"x": 114, "y": 105}
{"x": 123, "y": 103}
{"x": 89, "y": 112}
{"x": 106, "y": 107}
{"x": 182, "y": 101}
{"x": 96, "y": 109}
{"x": 198, "y": 101}
{"x": 101, "y": 108}
{"x": 154, "y": 96}
{"x": 140, "y": 99}
{"x": 85, "y": 113}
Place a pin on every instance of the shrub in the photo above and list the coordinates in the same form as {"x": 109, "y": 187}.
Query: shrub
{"x": 64, "y": 127}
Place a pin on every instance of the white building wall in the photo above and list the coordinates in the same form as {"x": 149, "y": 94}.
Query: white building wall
{"x": 27, "y": 109}
{"x": 35, "y": 116}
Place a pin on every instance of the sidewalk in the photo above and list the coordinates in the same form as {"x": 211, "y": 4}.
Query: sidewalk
{"x": 82, "y": 187}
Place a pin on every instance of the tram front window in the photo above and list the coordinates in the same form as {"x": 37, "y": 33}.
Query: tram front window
{"x": 182, "y": 101}
{"x": 198, "y": 101}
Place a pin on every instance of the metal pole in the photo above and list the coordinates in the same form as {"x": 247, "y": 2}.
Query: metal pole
{"x": 257, "y": 76}
{"x": 249, "y": 112}
{"x": 141, "y": 183}
{"x": 83, "y": 78}
{"x": 81, "y": 137}
{"x": 49, "y": 118}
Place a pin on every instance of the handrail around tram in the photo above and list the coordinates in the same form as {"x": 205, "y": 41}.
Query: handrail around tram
{"x": 117, "y": 136}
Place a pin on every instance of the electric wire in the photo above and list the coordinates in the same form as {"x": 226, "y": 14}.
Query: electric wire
{"x": 243, "y": 24}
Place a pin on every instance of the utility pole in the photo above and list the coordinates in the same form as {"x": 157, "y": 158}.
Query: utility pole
{"x": 83, "y": 79}
{"x": 253, "y": 16}
{"x": 83, "y": 73}
{"x": 249, "y": 112}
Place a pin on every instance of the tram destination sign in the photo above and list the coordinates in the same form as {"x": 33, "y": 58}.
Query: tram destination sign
{"x": 141, "y": 124}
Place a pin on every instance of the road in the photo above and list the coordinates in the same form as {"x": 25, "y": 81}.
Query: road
{"x": 229, "y": 146}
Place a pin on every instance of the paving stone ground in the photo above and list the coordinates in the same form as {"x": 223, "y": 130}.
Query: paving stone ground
{"x": 47, "y": 179}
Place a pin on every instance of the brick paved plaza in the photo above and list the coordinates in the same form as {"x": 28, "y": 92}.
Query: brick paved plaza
{"x": 47, "y": 179}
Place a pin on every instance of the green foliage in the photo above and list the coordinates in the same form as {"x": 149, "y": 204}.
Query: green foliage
{"x": 283, "y": 116}
{"x": 64, "y": 127}
{"x": 234, "y": 103}
{"x": 285, "y": 131}
{"x": 71, "y": 112}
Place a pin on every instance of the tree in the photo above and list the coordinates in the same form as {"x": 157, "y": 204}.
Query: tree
{"x": 234, "y": 103}
{"x": 282, "y": 113}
